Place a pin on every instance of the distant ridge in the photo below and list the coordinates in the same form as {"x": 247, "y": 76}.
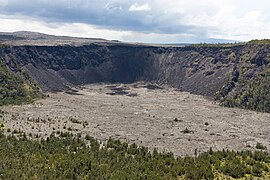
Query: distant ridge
{"x": 28, "y": 35}
{"x": 35, "y": 38}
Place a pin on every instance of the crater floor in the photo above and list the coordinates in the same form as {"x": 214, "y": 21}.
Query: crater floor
{"x": 164, "y": 118}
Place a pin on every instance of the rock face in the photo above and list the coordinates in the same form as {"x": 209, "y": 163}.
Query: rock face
{"x": 199, "y": 70}
{"x": 190, "y": 69}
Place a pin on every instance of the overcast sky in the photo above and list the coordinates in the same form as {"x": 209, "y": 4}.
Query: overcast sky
{"x": 156, "y": 21}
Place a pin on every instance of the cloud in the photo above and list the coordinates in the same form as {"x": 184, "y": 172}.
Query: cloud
{"x": 13, "y": 23}
{"x": 145, "y": 19}
{"x": 113, "y": 7}
{"x": 138, "y": 7}
{"x": 3, "y": 3}
{"x": 113, "y": 14}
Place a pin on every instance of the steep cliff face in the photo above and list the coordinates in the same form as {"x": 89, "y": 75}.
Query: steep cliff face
{"x": 209, "y": 71}
{"x": 201, "y": 71}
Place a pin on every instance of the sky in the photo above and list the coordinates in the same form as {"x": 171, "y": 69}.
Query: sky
{"x": 155, "y": 21}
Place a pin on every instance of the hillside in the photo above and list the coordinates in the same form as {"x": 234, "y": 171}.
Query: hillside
{"x": 16, "y": 89}
{"x": 236, "y": 75}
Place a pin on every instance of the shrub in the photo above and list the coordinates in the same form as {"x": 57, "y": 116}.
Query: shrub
{"x": 260, "y": 146}
{"x": 73, "y": 120}
{"x": 88, "y": 137}
{"x": 234, "y": 168}
{"x": 187, "y": 131}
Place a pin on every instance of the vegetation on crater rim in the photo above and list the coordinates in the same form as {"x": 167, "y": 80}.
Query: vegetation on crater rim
{"x": 15, "y": 89}
{"x": 254, "y": 94}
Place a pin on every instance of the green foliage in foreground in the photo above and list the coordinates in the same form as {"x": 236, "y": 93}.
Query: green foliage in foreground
{"x": 66, "y": 157}
{"x": 256, "y": 96}
{"x": 15, "y": 90}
